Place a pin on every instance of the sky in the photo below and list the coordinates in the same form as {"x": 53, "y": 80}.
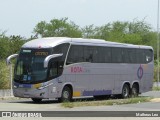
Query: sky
{"x": 19, "y": 17}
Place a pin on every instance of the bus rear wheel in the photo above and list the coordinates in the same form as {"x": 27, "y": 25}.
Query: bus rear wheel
{"x": 125, "y": 91}
{"x": 66, "y": 95}
{"x": 135, "y": 90}
{"x": 36, "y": 100}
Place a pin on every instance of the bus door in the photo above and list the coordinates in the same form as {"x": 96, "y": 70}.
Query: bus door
{"x": 55, "y": 76}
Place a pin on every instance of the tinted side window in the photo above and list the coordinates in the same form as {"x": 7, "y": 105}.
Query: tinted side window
{"x": 126, "y": 58}
{"x": 107, "y": 54}
{"x": 63, "y": 48}
{"x": 89, "y": 53}
{"x": 132, "y": 55}
{"x": 95, "y": 53}
{"x": 56, "y": 64}
{"x": 148, "y": 55}
{"x": 140, "y": 56}
{"x": 104, "y": 54}
{"x": 117, "y": 55}
{"x": 75, "y": 54}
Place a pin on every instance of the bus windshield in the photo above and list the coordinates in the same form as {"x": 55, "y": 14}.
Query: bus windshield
{"x": 30, "y": 66}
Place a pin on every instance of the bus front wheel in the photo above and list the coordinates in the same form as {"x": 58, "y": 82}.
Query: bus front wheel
{"x": 125, "y": 91}
{"x": 36, "y": 100}
{"x": 66, "y": 95}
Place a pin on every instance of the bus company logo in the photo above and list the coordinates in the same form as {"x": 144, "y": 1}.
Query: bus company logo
{"x": 140, "y": 72}
{"x": 78, "y": 69}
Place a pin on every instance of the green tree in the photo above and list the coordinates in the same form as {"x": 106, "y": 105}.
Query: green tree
{"x": 103, "y": 32}
{"x": 58, "y": 28}
{"x": 4, "y": 75}
{"x": 10, "y": 45}
{"x": 4, "y": 46}
{"x": 40, "y": 28}
{"x": 15, "y": 43}
{"x": 89, "y": 31}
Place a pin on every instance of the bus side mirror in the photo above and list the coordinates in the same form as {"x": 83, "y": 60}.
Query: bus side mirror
{"x": 8, "y": 60}
{"x": 48, "y": 58}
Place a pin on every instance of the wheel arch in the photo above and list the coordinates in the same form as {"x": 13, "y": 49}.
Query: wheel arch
{"x": 70, "y": 85}
{"x": 126, "y": 82}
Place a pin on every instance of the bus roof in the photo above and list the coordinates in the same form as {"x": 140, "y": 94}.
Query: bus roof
{"x": 54, "y": 41}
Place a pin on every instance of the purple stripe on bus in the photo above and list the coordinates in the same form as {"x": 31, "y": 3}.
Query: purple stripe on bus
{"x": 27, "y": 85}
{"x": 23, "y": 85}
{"x": 97, "y": 92}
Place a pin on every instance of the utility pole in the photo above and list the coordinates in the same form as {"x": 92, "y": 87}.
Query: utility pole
{"x": 158, "y": 44}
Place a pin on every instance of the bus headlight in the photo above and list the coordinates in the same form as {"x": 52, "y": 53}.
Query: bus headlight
{"x": 37, "y": 86}
{"x": 44, "y": 86}
{"x": 15, "y": 86}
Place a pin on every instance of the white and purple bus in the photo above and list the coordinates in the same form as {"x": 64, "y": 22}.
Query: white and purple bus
{"x": 62, "y": 68}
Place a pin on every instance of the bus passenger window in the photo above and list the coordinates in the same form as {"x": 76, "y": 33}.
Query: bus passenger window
{"x": 89, "y": 58}
{"x": 62, "y": 48}
{"x": 140, "y": 56}
{"x": 126, "y": 56}
{"x": 148, "y": 56}
{"x": 75, "y": 54}
{"x": 116, "y": 55}
{"x": 106, "y": 54}
{"x": 88, "y": 53}
{"x": 132, "y": 55}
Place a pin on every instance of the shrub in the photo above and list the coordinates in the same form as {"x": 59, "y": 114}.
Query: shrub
{"x": 4, "y": 75}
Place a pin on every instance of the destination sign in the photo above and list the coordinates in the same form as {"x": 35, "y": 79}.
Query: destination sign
{"x": 41, "y": 53}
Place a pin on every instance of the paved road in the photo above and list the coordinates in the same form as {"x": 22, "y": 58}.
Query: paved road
{"x": 53, "y": 105}
{"x": 50, "y": 105}
{"x": 155, "y": 94}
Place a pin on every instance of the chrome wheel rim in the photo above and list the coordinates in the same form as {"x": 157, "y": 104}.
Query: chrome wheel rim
{"x": 125, "y": 92}
{"x": 66, "y": 94}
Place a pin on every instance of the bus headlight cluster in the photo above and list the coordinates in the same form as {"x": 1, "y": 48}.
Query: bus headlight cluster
{"x": 37, "y": 86}
{"x": 15, "y": 86}
{"x": 44, "y": 86}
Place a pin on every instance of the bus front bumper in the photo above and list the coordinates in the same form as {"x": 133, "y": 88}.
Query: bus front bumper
{"x": 32, "y": 91}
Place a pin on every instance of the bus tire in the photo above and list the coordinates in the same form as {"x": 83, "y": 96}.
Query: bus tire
{"x": 125, "y": 91}
{"x": 66, "y": 95}
{"x": 135, "y": 90}
{"x": 36, "y": 100}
